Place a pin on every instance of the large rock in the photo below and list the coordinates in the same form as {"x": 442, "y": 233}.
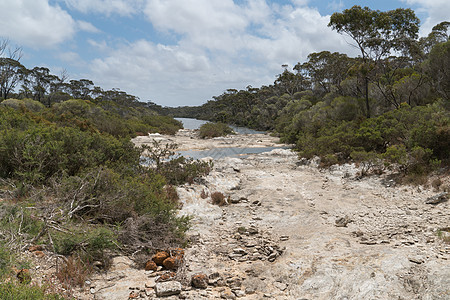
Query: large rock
{"x": 168, "y": 288}
{"x": 159, "y": 257}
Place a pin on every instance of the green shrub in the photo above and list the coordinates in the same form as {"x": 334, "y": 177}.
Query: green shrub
{"x": 29, "y": 104}
{"x": 14, "y": 291}
{"x": 210, "y": 130}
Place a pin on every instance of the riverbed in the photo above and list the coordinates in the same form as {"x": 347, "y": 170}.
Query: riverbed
{"x": 295, "y": 231}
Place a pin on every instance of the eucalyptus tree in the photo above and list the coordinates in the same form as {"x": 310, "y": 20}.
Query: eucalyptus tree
{"x": 10, "y": 68}
{"x": 377, "y": 35}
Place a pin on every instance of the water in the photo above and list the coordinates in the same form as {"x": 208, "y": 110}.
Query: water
{"x": 217, "y": 153}
{"x": 195, "y": 124}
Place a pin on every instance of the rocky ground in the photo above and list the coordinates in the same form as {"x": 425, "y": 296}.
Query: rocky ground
{"x": 294, "y": 231}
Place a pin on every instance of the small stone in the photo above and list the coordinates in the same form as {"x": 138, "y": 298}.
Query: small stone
{"x": 150, "y": 284}
{"x": 284, "y": 238}
{"x": 280, "y": 285}
{"x": 39, "y": 254}
{"x": 36, "y": 248}
{"x": 159, "y": 257}
{"x": 342, "y": 221}
{"x": 168, "y": 288}
{"x": 239, "y": 251}
{"x": 239, "y": 293}
{"x": 151, "y": 266}
{"x": 442, "y": 197}
{"x": 227, "y": 295}
{"x": 92, "y": 290}
{"x": 199, "y": 281}
{"x": 416, "y": 259}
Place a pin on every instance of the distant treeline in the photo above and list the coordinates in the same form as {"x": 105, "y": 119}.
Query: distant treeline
{"x": 390, "y": 103}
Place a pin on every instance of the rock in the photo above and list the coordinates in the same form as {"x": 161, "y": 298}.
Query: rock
{"x": 280, "y": 285}
{"x": 239, "y": 293}
{"x": 252, "y": 230}
{"x": 166, "y": 277}
{"x": 214, "y": 279}
{"x": 159, "y": 257}
{"x": 151, "y": 266}
{"x": 39, "y": 254}
{"x": 150, "y": 284}
{"x": 168, "y": 288}
{"x": 342, "y": 221}
{"x": 199, "y": 281}
{"x": 442, "y": 197}
{"x": 36, "y": 248}
{"x": 133, "y": 295}
{"x": 239, "y": 251}
{"x": 416, "y": 259}
{"x": 170, "y": 263}
{"x": 284, "y": 238}
{"x": 227, "y": 295}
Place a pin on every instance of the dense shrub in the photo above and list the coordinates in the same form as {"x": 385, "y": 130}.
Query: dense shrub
{"x": 210, "y": 130}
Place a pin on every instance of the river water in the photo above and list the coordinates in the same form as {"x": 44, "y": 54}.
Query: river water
{"x": 195, "y": 124}
{"x": 217, "y": 153}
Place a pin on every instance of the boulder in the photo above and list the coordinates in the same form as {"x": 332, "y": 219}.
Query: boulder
{"x": 168, "y": 288}
{"x": 159, "y": 257}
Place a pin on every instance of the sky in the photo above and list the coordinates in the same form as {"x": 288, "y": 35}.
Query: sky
{"x": 183, "y": 52}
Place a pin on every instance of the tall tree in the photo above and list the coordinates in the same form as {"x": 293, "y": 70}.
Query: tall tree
{"x": 376, "y": 34}
{"x": 10, "y": 68}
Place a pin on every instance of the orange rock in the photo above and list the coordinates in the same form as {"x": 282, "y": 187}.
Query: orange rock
{"x": 177, "y": 252}
{"x": 133, "y": 295}
{"x": 159, "y": 257}
{"x": 151, "y": 266}
{"x": 199, "y": 281}
{"x": 39, "y": 254}
{"x": 166, "y": 277}
{"x": 170, "y": 263}
{"x": 35, "y": 248}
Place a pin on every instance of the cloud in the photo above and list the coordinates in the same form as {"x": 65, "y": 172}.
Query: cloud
{"x": 436, "y": 10}
{"x": 220, "y": 45}
{"x": 70, "y": 57}
{"x": 108, "y": 7}
{"x": 88, "y": 27}
{"x": 35, "y": 23}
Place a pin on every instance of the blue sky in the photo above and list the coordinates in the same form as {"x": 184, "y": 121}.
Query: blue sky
{"x": 182, "y": 52}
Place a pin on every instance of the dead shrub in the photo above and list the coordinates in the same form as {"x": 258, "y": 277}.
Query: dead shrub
{"x": 218, "y": 198}
{"x": 204, "y": 194}
{"x": 73, "y": 272}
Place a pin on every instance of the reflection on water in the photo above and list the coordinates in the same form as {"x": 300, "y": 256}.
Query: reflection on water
{"x": 195, "y": 124}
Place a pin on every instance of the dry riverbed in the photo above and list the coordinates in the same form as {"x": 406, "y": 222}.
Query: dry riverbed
{"x": 294, "y": 231}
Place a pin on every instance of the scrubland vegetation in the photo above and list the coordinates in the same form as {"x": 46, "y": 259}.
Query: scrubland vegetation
{"x": 72, "y": 182}
{"x": 211, "y": 130}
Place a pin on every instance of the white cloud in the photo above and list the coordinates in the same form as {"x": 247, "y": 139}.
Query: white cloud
{"x": 88, "y": 27}
{"x": 221, "y": 45}
{"x": 70, "y": 57}
{"x": 120, "y": 7}
{"x": 436, "y": 11}
{"x": 35, "y": 23}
